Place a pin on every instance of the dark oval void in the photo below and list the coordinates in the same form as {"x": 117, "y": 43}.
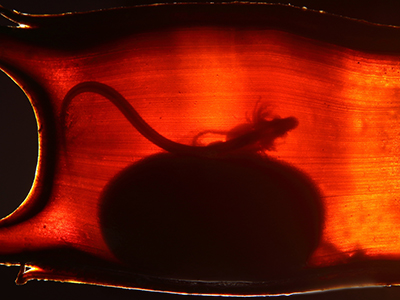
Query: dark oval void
{"x": 238, "y": 218}
{"x": 19, "y": 145}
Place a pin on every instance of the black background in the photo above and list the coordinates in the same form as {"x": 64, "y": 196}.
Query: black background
{"x": 18, "y": 152}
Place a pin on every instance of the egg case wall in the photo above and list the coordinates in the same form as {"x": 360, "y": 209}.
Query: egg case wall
{"x": 223, "y": 44}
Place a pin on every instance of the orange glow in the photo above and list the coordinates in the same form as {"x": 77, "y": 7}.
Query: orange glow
{"x": 368, "y": 212}
{"x": 319, "y": 114}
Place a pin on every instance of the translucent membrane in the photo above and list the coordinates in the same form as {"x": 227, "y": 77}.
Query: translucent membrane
{"x": 236, "y": 149}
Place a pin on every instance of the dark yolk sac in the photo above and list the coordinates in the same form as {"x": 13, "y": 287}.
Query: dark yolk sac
{"x": 232, "y": 219}
{"x": 227, "y": 149}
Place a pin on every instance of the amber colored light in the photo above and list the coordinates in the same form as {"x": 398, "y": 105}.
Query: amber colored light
{"x": 275, "y": 103}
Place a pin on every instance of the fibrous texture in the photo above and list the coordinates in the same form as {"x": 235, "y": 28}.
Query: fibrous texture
{"x": 244, "y": 149}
